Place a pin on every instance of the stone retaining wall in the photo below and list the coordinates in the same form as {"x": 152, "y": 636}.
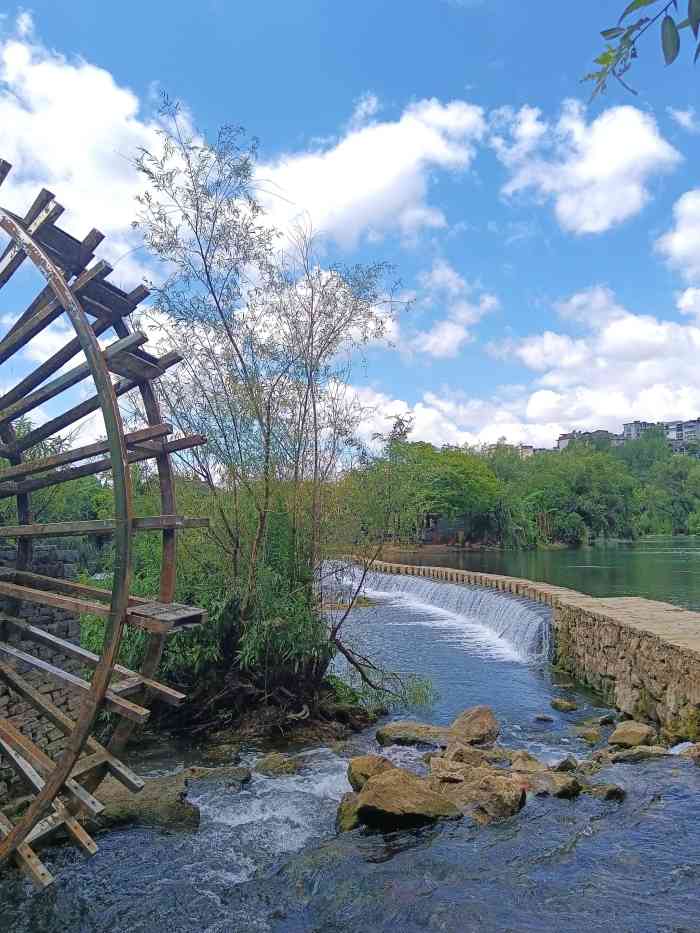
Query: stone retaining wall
{"x": 54, "y": 561}
{"x": 642, "y": 656}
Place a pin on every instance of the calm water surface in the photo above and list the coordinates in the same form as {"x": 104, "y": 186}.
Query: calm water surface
{"x": 267, "y": 859}
{"x": 658, "y": 567}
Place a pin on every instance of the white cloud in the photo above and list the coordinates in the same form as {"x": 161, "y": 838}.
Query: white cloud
{"x": 686, "y": 119}
{"x": 366, "y": 107}
{"x": 68, "y": 126}
{"x": 376, "y": 178}
{"x": 597, "y": 174}
{"x": 592, "y": 305}
{"x": 447, "y": 336}
{"x": 681, "y": 245}
{"x": 688, "y": 302}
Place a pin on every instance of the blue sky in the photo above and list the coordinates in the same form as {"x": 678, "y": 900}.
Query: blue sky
{"x": 552, "y": 246}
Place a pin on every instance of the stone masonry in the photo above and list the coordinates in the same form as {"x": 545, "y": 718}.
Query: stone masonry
{"x": 52, "y": 560}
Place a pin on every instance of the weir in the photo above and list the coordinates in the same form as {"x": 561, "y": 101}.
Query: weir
{"x": 641, "y": 655}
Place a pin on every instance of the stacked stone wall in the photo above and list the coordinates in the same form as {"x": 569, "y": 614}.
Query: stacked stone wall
{"x": 53, "y": 561}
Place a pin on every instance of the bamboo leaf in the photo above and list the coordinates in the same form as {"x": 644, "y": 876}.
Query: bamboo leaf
{"x": 694, "y": 15}
{"x": 670, "y": 40}
{"x": 612, "y": 33}
{"x": 636, "y": 5}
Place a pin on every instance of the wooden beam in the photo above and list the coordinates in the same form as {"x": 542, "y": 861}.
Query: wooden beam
{"x": 82, "y": 453}
{"x": 44, "y": 210}
{"x": 43, "y": 765}
{"x": 26, "y": 858}
{"x": 39, "y": 701}
{"x": 104, "y": 526}
{"x": 117, "y": 704}
{"x": 97, "y": 466}
{"x": 56, "y": 585}
{"x": 167, "y": 694}
{"x": 67, "y": 380}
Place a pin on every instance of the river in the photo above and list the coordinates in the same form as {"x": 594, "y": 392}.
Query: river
{"x": 662, "y": 567}
{"x": 267, "y": 859}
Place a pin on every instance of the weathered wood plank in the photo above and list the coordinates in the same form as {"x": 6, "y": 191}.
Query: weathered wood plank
{"x": 27, "y": 859}
{"x": 105, "y": 526}
{"x": 117, "y": 704}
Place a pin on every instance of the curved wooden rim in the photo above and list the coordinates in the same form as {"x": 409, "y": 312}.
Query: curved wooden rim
{"x": 122, "y": 536}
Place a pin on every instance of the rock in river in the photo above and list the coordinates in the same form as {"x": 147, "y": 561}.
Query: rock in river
{"x": 362, "y": 768}
{"x": 276, "y": 763}
{"x": 629, "y": 734}
{"x": 639, "y": 753}
{"x": 476, "y": 726}
{"x": 487, "y": 795}
{"x": 398, "y": 799}
{"x": 346, "y": 818}
{"x": 408, "y": 732}
{"x": 563, "y": 706}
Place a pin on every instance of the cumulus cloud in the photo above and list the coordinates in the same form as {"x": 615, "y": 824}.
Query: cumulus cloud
{"x": 597, "y": 173}
{"x": 375, "y": 179}
{"x": 443, "y": 284}
{"x": 681, "y": 244}
{"x": 68, "y": 126}
{"x": 686, "y": 119}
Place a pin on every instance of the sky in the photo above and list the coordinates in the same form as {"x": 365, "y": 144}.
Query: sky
{"x": 550, "y": 244}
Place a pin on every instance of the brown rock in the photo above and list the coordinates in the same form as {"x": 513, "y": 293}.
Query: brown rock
{"x": 162, "y": 802}
{"x": 362, "y": 768}
{"x": 629, "y": 734}
{"x": 554, "y": 784}
{"x": 590, "y": 734}
{"x": 562, "y": 705}
{"x": 488, "y": 795}
{"x": 476, "y": 726}
{"x": 566, "y": 764}
{"x": 640, "y": 753}
{"x": 524, "y": 761}
{"x": 693, "y": 752}
{"x": 606, "y": 791}
{"x": 544, "y": 717}
{"x": 408, "y": 732}
{"x": 346, "y": 818}
{"x": 398, "y": 798}
{"x": 457, "y": 752}
{"x": 276, "y": 764}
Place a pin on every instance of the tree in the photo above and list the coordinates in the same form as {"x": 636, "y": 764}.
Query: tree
{"x": 622, "y": 40}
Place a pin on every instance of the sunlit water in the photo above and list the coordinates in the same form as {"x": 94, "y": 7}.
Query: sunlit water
{"x": 267, "y": 858}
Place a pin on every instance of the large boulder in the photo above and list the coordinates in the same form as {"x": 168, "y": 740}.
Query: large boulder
{"x": 476, "y": 726}
{"x": 362, "y": 768}
{"x": 162, "y": 802}
{"x": 552, "y": 783}
{"x": 693, "y": 752}
{"x": 475, "y": 755}
{"x": 398, "y": 799}
{"x": 408, "y": 732}
{"x": 629, "y": 734}
{"x": 486, "y": 795}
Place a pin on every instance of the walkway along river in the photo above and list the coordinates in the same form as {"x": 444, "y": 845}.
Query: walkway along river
{"x": 267, "y": 858}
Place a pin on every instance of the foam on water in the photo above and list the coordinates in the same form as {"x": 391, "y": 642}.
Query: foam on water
{"x": 481, "y": 621}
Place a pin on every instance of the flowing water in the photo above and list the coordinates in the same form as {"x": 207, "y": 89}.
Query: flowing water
{"x": 267, "y": 859}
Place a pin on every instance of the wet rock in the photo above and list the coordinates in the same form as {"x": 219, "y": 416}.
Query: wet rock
{"x": 408, "y": 732}
{"x": 524, "y": 761}
{"x": 397, "y": 799}
{"x": 362, "y": 768}
{"x": 640, "y": 753}
{"x": 346, "y": 818}
{"x": 630, "y": 734}
{"x": 235, "y": 773}
{"x": 453, "y": 772}
{"x": 609, "y": 719}
{"x": 693, "y": 752}
{"x": 276, "y": 764}
{"x": 476, "y": 726}
{"x": 554, "y": 784}
{"x": 566, "y": 764}
{"x": 488, "y": 795}
{"x": 563, "y": 706}
{"x": 162, "y": 802}
{"x": 544, "y": 717}
{"x": 606, "y": 791}
{"x": 590, "y": 734}
{"x": 226, "y": 751}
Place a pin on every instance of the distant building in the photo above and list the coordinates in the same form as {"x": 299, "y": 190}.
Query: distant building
{"x": 589, "y": 437}
{"x": 522, "y": 450}
{"x": 633, "y": 430}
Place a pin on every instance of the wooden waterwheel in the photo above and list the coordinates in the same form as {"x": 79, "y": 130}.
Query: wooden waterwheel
{"x": 63, "y": 786}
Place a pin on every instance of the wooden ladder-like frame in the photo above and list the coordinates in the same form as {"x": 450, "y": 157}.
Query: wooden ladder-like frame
{"x": 77, "y": 286}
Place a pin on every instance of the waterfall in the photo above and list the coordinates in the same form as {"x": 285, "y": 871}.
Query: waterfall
{"x": 482, "y": 620}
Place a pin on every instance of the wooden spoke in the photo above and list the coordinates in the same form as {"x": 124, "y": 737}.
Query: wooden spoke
{"x": 76, "y": 285}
